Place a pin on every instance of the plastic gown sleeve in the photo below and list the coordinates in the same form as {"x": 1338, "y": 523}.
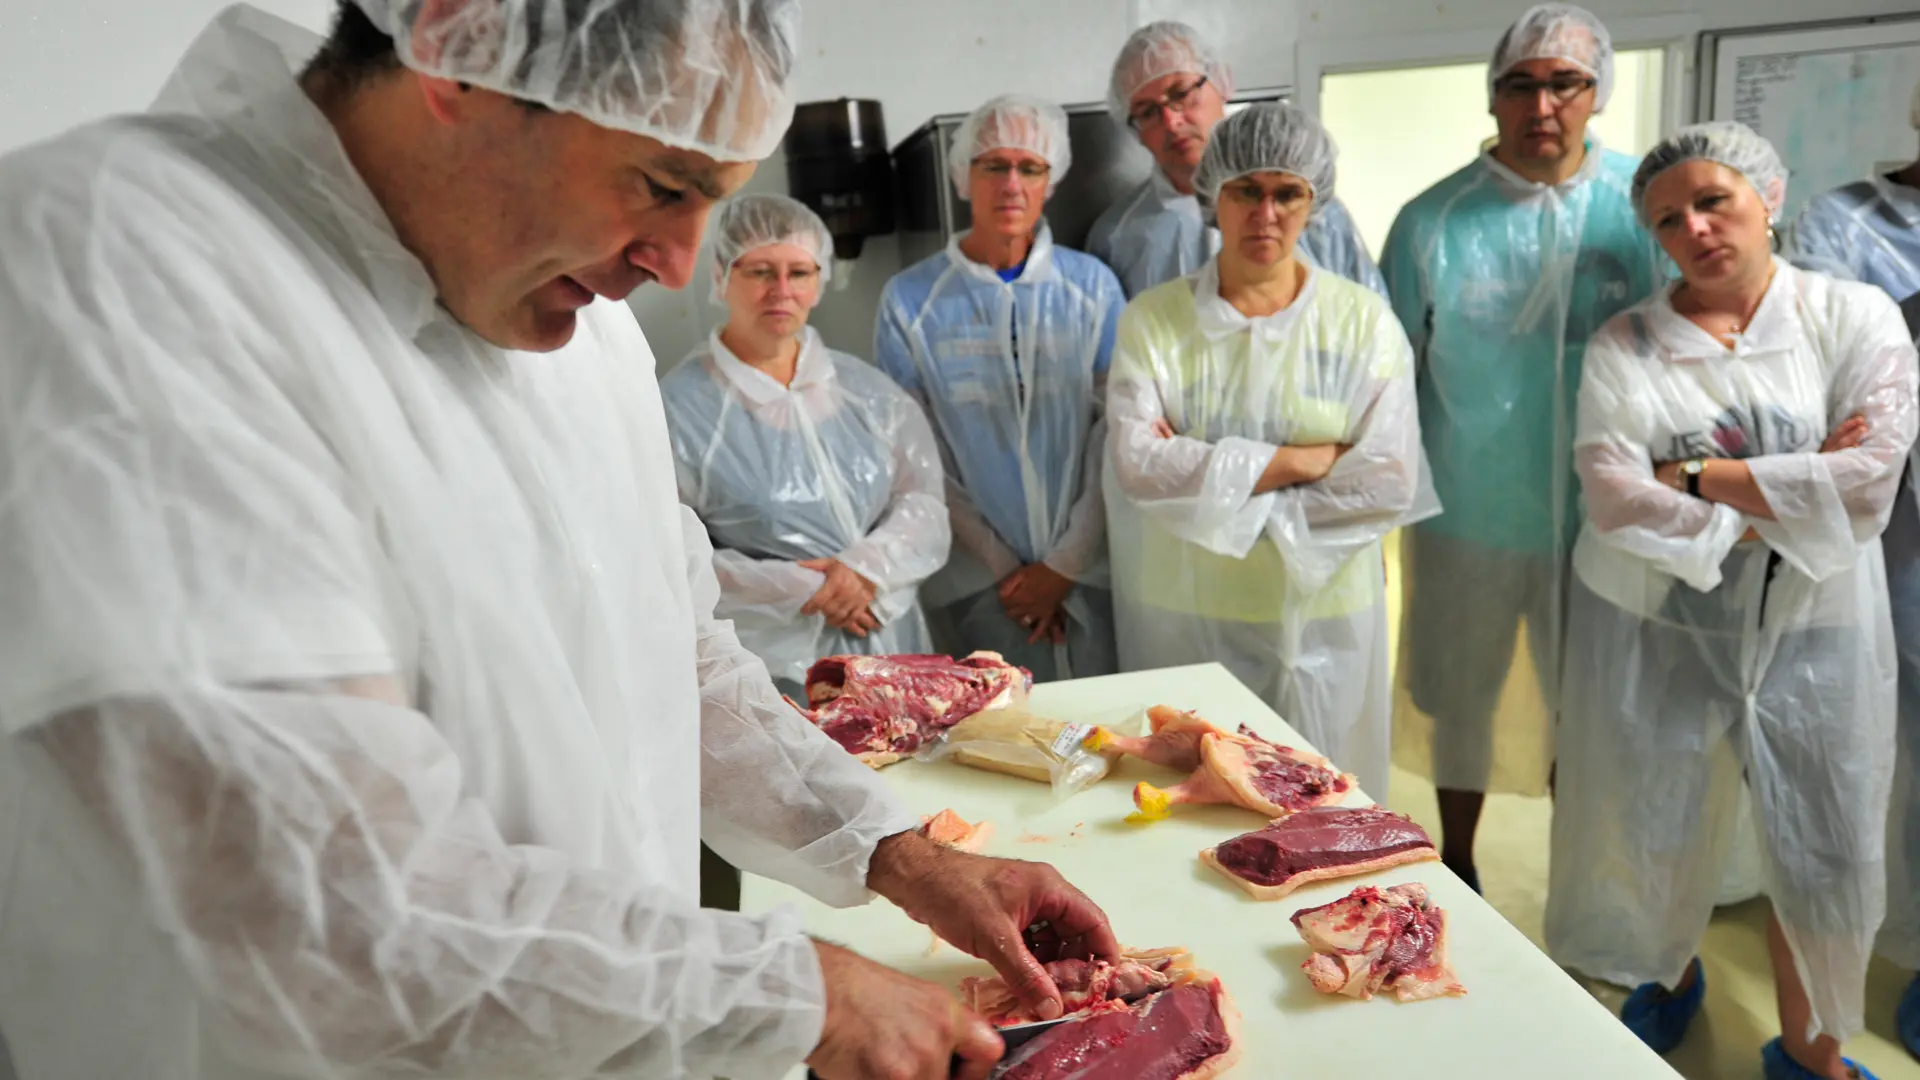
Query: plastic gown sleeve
{"x": 346, "y": 911}
{"x": 911, "y": 539}
{"x": 1825, "y": 505}
{"x": 774, "y": 586}
{"x": 1678, "y": 534}
{"x": 1201, "y": 492}
{"x": 1379, "y": 484}
{"x": 969, "y": 528}
{"x": 778, "y": 797}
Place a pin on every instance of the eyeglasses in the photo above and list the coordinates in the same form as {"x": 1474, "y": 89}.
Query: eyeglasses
{"x": 1286, "y": 199}
{"x": 768, "y": 276}
{"x": 1031, "y": 172}
{"x": 1179, "y": 99}
{"x": 1562, "y": 88}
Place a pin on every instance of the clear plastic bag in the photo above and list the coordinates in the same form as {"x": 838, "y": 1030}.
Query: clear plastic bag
{"x": 1019, "y": 743}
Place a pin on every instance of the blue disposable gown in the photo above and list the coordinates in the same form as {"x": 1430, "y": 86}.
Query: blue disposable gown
{"x": 1870, "y": 230}
{"x": 1013, "y": 375}
{"x": 1499, "y": 281}
{"x": 838, "y": 464}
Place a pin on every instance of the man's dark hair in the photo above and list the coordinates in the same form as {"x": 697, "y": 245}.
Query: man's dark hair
{"x": 354, "y": 53}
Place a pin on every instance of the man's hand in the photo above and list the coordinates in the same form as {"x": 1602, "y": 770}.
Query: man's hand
{"x": 882, "y": 1025}
{"x": 1014, "y": 915}
{"x": 845, "y": 599}
{"x": 1032, "y": 596}
{"x": 1162, "y": 430}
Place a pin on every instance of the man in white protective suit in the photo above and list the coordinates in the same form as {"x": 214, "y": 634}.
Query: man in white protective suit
{"x": 361, "y": 704}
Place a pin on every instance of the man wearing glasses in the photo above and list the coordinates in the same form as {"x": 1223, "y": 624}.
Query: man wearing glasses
{"x": 1170, "y": 87}
{"x": 1500, "y": 273}
{"x": 1004, "y": 339}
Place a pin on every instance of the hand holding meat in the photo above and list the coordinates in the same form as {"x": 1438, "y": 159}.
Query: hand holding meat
{"x": 1017, "y": 916}
{"x": 882, "y": 1025}
{"x": 844, "y": 601}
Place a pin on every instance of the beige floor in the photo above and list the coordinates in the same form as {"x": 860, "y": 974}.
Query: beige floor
{"x": 1725, "y": 1042}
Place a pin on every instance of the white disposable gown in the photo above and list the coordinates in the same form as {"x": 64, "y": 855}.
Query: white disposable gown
{"x": 1499, "y": 282}
{"x": 1013, "y": 378}
{"x": 1870, "y": 231}
{"x": 1694, "y": 657}
{"x": 1155, "y": 234}
{"x": 838, "y": 464}
{"x": 1286, "y": 588}
{"x": 359, "y": 689}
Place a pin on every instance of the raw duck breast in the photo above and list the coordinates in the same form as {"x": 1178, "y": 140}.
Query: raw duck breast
{"x": 1152, "y": 1016}
{"x": 1317, "y": 845}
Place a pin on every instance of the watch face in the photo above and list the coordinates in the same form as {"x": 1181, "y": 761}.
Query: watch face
{"x": 1695, "y": 467}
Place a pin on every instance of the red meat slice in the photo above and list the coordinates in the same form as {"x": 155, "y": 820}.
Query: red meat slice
{"x": 1317, "y": 845}
{"x": 1248, "y": 771}
{"x": 1379, "y": 939}
{"x": 883, "y": 708}
{"x": 1151, "y": 1016}
{"x": 1188, "y": 1032}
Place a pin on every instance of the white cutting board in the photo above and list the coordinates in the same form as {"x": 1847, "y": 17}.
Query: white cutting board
{"x": 1522, "y": 1016}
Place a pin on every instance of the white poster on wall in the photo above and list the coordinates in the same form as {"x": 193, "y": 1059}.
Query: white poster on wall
{"x": 1834, "y": 102}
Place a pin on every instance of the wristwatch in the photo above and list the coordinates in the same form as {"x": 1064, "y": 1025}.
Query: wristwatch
{"x": 1693, "y": 470}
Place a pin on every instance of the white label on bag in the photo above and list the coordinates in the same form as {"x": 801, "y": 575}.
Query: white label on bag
{"x": 1070, "y": 738}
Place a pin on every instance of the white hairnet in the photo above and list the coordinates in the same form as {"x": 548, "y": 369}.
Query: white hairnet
{"x": 1728, "y": 142}
{"x": 1558, "y": 32}
{"x": 703, "y": 75}
{"x": 762, "y": 220}
{"x": 1157, "y": 50}
{"x": 1275, "y": 136}
{"x": 1011, "y": 122}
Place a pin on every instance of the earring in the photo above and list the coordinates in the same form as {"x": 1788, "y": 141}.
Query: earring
{"x": 1773, "y": 238}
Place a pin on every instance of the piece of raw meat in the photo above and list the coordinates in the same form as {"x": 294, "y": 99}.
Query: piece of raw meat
{"x": 952, "y": 830}
{"x": 1153, "y": 1016}
{"x": 1083, "y": 984}
{"x": 883, "y": 708}
{"x": 1316, "y": 845}
{"x": 1173, "y": 739}
{"x": 1246, "y": 770}
{"x": 1376, "y": 939}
